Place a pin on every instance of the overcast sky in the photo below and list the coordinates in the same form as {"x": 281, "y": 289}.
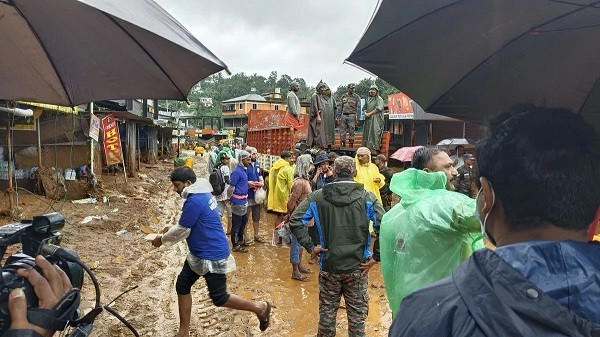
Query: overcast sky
{"x": 302, "y": 38}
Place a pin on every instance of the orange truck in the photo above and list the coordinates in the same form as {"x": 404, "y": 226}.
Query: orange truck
{"x": 268, "y": 133}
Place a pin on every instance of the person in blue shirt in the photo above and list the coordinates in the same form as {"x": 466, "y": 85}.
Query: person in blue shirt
{"x": 255, "y": 181}
{"x": 238, "y": 196}
{"x": 209, "y": 257}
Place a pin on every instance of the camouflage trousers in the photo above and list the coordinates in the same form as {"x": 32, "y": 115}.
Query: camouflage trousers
{"x": 354, "y": 287}
{"x": 347, "y": 124}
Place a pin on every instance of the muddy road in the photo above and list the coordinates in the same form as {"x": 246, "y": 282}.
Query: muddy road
{"x": 145, "y": 204}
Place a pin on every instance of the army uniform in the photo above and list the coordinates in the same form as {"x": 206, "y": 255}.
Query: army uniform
{"x": 354, "y": 287}
{"x": 350, "y": 106}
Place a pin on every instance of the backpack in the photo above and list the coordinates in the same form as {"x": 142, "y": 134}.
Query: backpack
{"x": 217, "y": 181}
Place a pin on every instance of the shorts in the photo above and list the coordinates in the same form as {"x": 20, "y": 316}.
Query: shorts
{"x": 216, "y": 283}
{"x": 224, "y": 206}
{"x": 255, "y": 210}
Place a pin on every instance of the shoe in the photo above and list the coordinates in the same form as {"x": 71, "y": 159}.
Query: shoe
{"x": 259, "y": 239}
{"x": 240, "y": 249}
{"x": 247, "y": 244}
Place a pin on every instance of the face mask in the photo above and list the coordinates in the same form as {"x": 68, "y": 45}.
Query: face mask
{"x": 483, "y": 223}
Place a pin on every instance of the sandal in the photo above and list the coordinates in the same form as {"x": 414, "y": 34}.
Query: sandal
{"x": 305, "y": 270}
{"x": 259, "y": 239}
{"x": 300, "y": 277}
{"x": 265, "y": 320}
{"x": 247, "y": 243}
{"x": 240, "y": 249}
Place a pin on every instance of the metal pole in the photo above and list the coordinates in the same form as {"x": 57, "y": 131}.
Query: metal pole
{"x": 10, "y": 171}
{"x": 39, "y": 142}
{"x": 464, "y": 129}
{"x": 91, "y": 141}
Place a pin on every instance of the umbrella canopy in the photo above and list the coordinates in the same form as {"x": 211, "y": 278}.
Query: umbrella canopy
{"x": 454, "y": 141}
{"x": 470, "y": 59}
{"x": 405, "y": 153}
{"x": 69, "y": 52}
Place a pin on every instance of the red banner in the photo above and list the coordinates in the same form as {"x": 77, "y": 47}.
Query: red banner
{"x": 399, "y": 107}
{"x": 112, "y": 141}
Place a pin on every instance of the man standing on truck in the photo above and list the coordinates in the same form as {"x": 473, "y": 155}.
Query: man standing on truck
{"x": 374, "y": 121}
{"x": 322, "y": 118}
{"x": 349, "y": 106}
{"x": 292, "y": 117}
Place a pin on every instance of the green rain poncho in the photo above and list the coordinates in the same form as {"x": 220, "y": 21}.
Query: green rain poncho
{"x": 428, "y": 234}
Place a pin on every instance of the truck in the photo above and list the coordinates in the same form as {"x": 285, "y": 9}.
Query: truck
{"x": 269, "y": 134}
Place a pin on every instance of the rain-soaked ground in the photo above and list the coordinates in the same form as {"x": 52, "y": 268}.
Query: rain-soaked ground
{"x": 145, "y": 204}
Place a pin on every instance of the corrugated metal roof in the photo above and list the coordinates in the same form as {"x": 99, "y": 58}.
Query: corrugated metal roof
{"x": 249, "y": 97}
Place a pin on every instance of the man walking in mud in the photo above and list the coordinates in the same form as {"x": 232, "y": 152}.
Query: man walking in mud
{"x": 209, "y": 256}
{"x": 342, "y": 211}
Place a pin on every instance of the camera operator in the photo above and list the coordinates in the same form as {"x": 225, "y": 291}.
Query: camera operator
{"x": 49, "y": 290}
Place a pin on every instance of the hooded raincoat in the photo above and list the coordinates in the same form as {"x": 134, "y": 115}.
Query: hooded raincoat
{"x": 425, "y": 236}
{"x": 365, "y": 174}
{"x": 373, "y": 125}
{"x": 536, "y": 288}
{"x": 322, "y": 134}
{"x": 281, "y": 177}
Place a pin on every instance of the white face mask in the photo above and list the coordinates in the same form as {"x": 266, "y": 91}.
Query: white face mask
{"x": 483, "y": 231}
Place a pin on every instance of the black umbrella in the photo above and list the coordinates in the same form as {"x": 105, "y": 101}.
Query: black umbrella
{"x": 69, "y": 52}
{"x": 472, "y": 58}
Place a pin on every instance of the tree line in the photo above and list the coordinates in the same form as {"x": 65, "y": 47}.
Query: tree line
{"x": 221, "y": 88}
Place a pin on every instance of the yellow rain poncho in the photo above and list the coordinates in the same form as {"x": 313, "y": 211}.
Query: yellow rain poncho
{"x": 277, "y": 199}
{"x": 365, "y": 174}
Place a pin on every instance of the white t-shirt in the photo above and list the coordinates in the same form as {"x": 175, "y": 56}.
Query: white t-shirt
{"x": 225, "y": 173}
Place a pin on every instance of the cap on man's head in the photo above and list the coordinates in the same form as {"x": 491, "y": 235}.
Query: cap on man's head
{"x": 286, "y": 154}
{"x": 344, "y": 166}
{"x": 381, "y": 158}
{"x": 243, "y": 155}
{"x": 351, "y": 85}
{"x": 332, "y": 156}
{"x": 321, "y": 158}
{"x": 251, "y": 149}
{"x": 469, "y": 156}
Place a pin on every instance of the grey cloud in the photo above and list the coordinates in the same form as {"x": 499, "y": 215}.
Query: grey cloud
{"x": 308, "y": 39}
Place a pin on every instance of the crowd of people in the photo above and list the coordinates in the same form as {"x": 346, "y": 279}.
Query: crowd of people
{"x": 526, "y": 194}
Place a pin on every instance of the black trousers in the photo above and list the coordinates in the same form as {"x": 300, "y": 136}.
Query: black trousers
{"x": 237, "y": 228}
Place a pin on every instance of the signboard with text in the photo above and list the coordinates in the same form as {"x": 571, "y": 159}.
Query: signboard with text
{"x": 400, "y": 107}
{"x": 94, "y": 127}
{"x": 112, "y": 141}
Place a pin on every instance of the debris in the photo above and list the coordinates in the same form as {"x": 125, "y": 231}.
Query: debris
{"x": 95, "y": 265}
{"x": 89, "y": 218}
{"x": 121, "y": 232}
{"x": 85, "y": 201}
{"x": 151, "y": 237}
{"x": 154, "y": 220}
{"x": 114, "y": 210}
{"x": 146, "y": 229}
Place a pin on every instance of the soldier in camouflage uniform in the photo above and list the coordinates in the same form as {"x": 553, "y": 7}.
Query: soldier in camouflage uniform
{"x": 341, "y": 211}
{"x": 349, "y": 107}
{"x": 467, "y": 177}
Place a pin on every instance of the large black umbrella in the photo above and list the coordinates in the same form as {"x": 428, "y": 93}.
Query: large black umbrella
{"x": 69, "y": 52}
{"x": 472, "y": 58}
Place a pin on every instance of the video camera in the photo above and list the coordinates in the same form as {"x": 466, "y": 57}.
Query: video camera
{"x": 41, "y": 236}
{"x": 33, "y": 235}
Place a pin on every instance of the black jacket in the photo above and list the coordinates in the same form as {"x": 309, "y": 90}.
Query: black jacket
{"x": 486, "y": 296}
{"x": 342, "y": 211}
